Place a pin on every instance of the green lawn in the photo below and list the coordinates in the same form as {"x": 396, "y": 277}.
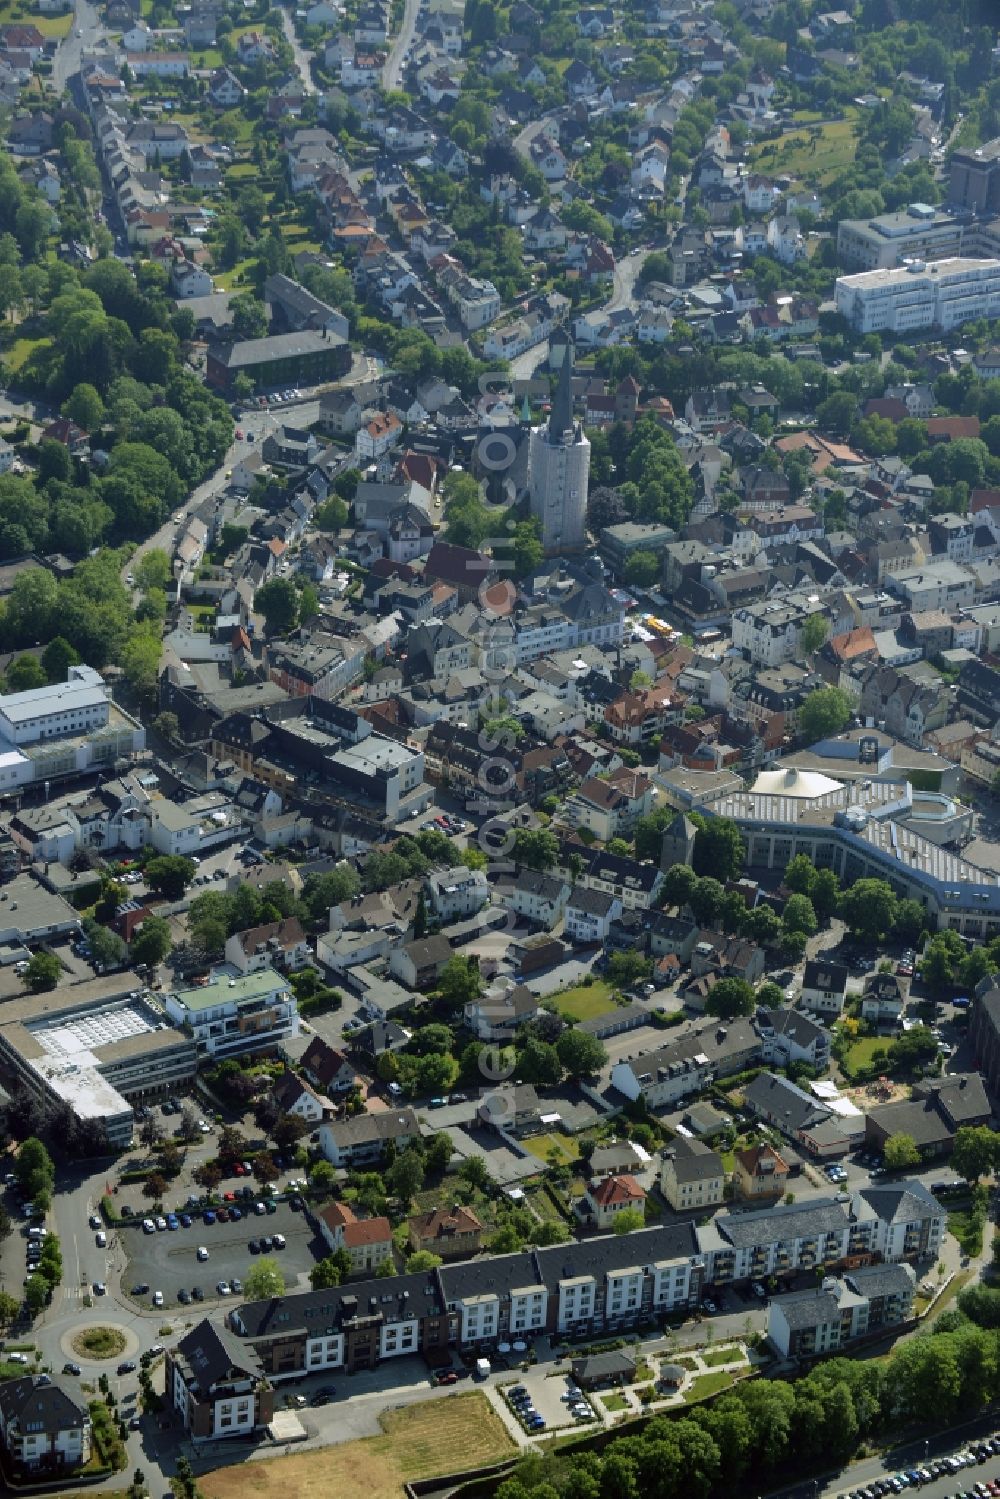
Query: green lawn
{"x": 708, "y": 1384}
{"x": 714, "y": 1357}
{"x": 811, "y": 158}
{"x": 612, "y": 1402}
{"x": 861, "y": 1053}
{"x": 584, "y": 1001}
{"x": 540, "y": 1145}
{"x": 17, "y": 353}
{"x": 57, "y": 26}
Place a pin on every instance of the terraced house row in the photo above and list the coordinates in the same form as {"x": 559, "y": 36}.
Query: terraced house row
{"x": 601, "y": 1285}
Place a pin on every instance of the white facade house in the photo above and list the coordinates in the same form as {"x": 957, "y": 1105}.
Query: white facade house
{"x": 42, "y": 1428}
{"x": 457, "y": 892}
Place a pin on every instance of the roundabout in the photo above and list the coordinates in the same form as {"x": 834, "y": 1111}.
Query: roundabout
{"x": 99, "y": 1342}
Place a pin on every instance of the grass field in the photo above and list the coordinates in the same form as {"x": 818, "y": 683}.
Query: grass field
{"x": 540, "y": 1145}
{"x": 708, "y": 1384}
{"x": 816, "y": 153}
{"x": 419, "y": 1441}
{"x": 613, "y": 1402}
{"x": 584, "y": 1001}
{"x": 861, "y": 1053}
{"x": 17, "y": 353}
{"x": 713, "y": 1357}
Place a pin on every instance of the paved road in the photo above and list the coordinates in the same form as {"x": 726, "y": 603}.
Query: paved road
{"x": 626, "y": 275}
{"x": 303, "y": 58}
{"x": 623, "y": 291}
{"x": 393, "y": 70}
{"x": 84, "y": 35}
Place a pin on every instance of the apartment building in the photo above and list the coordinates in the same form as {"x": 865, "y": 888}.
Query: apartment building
{"x": 44, "y": 1431}
{"x": 216, "y": 1384}
{"x": 603, "y": 1285}
{"x": 806, "y": 1324}
{"x": 234, "y": 1015}
{"x": 692, "y": 1176}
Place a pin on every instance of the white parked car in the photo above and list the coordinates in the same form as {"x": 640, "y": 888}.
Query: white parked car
{"x": 157, "y": 1298}
{"x": 202, "y": 1252}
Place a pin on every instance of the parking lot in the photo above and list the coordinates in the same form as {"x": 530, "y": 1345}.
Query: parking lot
{"x": 168, "y": 1262}
{"x": 546, "y": 1389}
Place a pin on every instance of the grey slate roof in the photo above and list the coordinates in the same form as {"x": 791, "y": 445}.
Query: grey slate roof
{"x": 798, "y": 1220}
{"x": 212, "y": 1354}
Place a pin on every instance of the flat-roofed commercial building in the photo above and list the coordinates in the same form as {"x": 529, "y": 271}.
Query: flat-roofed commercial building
{"x": 943, "y": 294}
{"x": 890, "y": 238}
{"x": 64, "y": 729}
{"x": 233, "y": 1015}
{"x": 94, "y": 1047}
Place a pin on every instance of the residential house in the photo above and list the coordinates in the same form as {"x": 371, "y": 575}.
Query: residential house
{"x": 362, "y": 1140}
{"x": 45, "y": 1431}
{"x": 759, "y": 1174}
{"x": 824, "y": 987}
{"x": 368, "y": 1241}
{"x": 605, "y": 1199}
{"x": 692, "y": 1176}
{"x": 451, "y": 1232}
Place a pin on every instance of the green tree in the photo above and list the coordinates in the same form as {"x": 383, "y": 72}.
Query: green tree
{"x": 36, "y": 1294}
{"x": 628, "y": 968}
{"x": 460, "y": 981}
{"x": 900, "y": 1151}
{"x": 629, "y": 1220}
{"x": 422, "y": 1259}
{"x": 799, "y": 916}
{"x": 24, "y": 674}
{"x": 405, "y": 1176}
{"x": 169, "y": 875}
{"x": 824, "y": 712}
{"x": 580, "y": 1053}
{"x": 141, "y": 659}
{"x": 814, "y": 633}
{"x": 84, "y": 407}
{"x": 43, "y": 972}
{"x": 719, "y": 849}
{"x": 473, "y": 1170}
{"x": 153, "y": 570}
{"x": 868, "y": 907}
{"x": 937, "y": 966}
{"x": 976, "y": 1152}
{"x": 642, "y": 569}
{"x": 152, "y": 942}
{"x": 730, "y": 997}
{"x": 278, "y": 602}
{"x": 331, "y": 1271}
{"x": 57, "y": 658}
{"x": 264, "y": 1279}
{"x": 535, "y": 849}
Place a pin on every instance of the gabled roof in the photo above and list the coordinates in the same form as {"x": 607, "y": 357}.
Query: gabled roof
{"x": 213, "y": 1356}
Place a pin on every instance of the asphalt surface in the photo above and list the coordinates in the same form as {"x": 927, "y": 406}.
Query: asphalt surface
{"x": 168, "y": 1262}
{"x": 303, "y": 58}
{"x": 393, "y": 71}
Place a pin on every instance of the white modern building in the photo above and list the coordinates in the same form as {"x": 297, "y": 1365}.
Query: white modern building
{"x": 63, "y": 729}
{"x": 233, "y": 1015}
{"x": 941, "y": 294}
